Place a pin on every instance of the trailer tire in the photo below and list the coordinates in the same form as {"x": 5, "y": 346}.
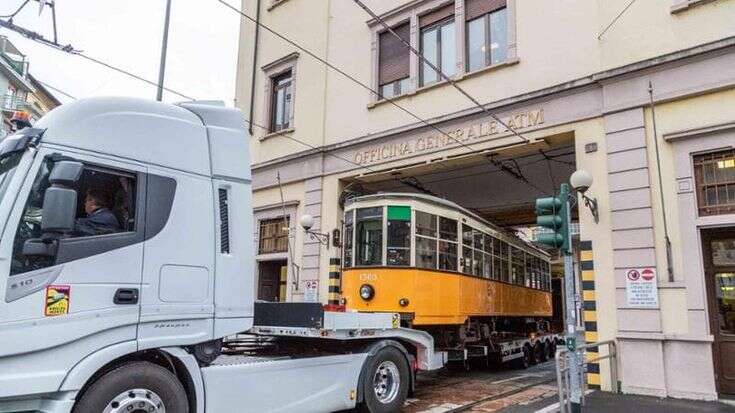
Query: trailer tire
{"x": 525, "y": 361}
{"x": 137, "y": 386}
{"x": 387, "y": 380}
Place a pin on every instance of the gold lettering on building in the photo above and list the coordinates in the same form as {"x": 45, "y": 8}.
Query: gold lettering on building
{"x": 471, "y": 132}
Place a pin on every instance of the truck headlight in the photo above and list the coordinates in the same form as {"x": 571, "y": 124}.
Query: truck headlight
{"x": 367, "y": 292}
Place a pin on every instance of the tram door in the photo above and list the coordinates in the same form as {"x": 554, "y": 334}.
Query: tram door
{"x": 718, "y": 247}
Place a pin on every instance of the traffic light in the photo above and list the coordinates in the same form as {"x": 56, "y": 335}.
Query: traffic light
{"x": 553, "y": 213}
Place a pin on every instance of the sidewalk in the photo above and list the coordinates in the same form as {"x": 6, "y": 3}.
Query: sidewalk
{"x": 604, "y": 402}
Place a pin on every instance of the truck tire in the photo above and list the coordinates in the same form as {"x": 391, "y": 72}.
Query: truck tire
{"x": 385, "y": 387}
{"x": 135, "y": 387}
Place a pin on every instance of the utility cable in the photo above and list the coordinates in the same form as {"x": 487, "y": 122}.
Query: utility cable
{"x": 599, "y": 36}
{"x": 362, "y": 84}
{"x": 55, "y": 89}
{"x": 69, "y": 49}
{"x": 15, "y": 13}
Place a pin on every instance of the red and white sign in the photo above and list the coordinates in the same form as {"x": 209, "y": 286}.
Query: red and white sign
{"x": 640, "y": 288}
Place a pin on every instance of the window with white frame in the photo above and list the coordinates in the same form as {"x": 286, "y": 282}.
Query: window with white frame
{"x": 281, "y": 101}
{"x": 438, "y": 44}
{"x": 394, "y": 61}
{"x": 487, "y": 33}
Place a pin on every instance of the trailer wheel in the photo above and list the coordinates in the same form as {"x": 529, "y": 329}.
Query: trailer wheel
{"x": 386, "y": 383}
{"x": 545, "y": 350}
{"x": 525, "y": 361}
{"x": 135, "y": 387}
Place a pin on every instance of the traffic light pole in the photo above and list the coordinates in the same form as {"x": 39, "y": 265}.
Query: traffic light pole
{"x": 554, "y": 213}
{"x": 575, "y": 364}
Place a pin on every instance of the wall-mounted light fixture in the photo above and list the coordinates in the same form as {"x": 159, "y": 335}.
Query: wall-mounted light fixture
{"x": 307, "y": 222}
{"x": 581, "y": 181}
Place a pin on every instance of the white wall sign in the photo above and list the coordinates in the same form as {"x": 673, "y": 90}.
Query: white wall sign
{"x": 640, "y": 288}
{"x": 311, "y": 291}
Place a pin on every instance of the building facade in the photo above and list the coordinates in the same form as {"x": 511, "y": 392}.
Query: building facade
{"x": 642, "y": 100}
{"x": 22, "y": 93}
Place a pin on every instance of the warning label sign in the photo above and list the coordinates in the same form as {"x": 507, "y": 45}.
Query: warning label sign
{"x": 640, "y": 288}
{"x": 57, "y": 300}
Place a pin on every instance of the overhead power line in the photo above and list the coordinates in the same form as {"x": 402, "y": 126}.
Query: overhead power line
{"x": 365, "y": 86}
{"x": 55, "y": 89}
{"x": 38, "y": 38}
{"x": 437, "y": 70}
{"x": 599, "y": 36}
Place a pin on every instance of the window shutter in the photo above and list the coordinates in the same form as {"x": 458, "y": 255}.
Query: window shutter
{"x": 437, "y": 15}
{"x": 394, "y": 55}
{"x": 476, "y": 8}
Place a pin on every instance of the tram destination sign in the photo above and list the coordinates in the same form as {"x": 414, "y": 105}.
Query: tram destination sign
{"x": 478, "y": 130}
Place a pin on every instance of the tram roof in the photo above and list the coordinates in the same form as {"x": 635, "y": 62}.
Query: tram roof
{"x": 440, "y": 202}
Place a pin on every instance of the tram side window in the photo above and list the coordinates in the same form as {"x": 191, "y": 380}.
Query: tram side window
{"x": 467, "y": 239}
{"x": 478, "y": 244}
{"x": 497, "y": 266}
{"x": 505, "y": 262}
{"x": 531, "y": 278}
{"x": 517, "y": 266}
{"x": 426, "y": 242}
{"x": 447, "y": 244}
{"x": 349, "y": 232}
{"x": 488, "y": 268}
{"x": 399, "y": 236}
{"x": 369, "y": 236}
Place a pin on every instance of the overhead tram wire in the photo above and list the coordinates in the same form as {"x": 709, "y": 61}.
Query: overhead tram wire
{"x": 438, "y": 70}
{"x": 69, "y": 49}
{"x": 56, "y": 89}
{"x": 370, "y": 89}
{"x": 15, "y": 13}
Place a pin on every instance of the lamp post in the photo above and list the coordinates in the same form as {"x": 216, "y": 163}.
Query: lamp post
{"x": 164, "y": 47}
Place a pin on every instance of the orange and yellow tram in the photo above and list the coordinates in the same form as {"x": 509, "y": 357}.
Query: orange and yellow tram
{"x": 438, "y": 264}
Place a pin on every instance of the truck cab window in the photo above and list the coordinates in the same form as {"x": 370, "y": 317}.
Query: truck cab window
{"x": 106, "y": 204}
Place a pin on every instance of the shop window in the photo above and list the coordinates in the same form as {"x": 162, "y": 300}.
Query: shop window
{"x": 399, "y": 236}
{"x": 281, "y": 101}
{"x": 487, "y": 33}
{"x": 273, "y": 235}
{"x": 438, "y": 44}
{"x": 349, "y": 233}
{"x": 715, "y": 177}
{"x": 394, "y": 61}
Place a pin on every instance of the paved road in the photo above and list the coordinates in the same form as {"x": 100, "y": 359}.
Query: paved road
{"x": 482, "y": 390}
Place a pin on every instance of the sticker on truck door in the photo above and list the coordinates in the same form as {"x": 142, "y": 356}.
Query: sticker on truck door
{"x": 57, "y": 300}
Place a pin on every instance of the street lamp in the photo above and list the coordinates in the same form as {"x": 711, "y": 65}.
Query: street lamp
{"x": 307, "y": 222}
{"x": 581, "y": 181}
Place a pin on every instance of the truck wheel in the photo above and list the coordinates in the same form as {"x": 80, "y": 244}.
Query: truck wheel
{"x": 385, "y": 387}
{"x": 525, "y": 361}
{"x": 139, "y": 387}
{"x": 545, "y": 351}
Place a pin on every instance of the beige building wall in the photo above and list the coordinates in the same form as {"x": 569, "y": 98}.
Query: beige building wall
{"x": 590, "y": 85}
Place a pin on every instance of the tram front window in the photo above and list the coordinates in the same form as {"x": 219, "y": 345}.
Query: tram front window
{"x": 369, "y": 236}
{"x": 399, "y": 236}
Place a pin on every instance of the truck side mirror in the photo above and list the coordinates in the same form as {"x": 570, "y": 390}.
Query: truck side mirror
{"x": 66, "y": 173}
{"x": 59, "y": 210}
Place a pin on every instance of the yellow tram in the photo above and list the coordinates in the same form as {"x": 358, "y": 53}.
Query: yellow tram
{"x": 438, "y": 264}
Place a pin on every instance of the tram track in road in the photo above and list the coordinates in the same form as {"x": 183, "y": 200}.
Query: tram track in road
{"x": 499, "y": 396}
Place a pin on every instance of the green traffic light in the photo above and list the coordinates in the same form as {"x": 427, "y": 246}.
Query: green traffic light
{"x": 553, "y": 213}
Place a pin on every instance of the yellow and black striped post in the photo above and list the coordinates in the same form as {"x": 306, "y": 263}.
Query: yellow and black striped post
{"x": 587, "y": 266}
{"x": 335, "y": 275}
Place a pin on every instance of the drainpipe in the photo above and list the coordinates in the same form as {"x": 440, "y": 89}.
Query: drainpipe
{"x": 669, "y": 263}
{"x": 255, "y": 65}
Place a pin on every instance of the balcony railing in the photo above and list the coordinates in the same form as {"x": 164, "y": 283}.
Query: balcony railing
{"x": 13, "y": 103}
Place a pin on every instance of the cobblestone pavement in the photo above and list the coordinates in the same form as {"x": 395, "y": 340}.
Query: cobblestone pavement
{"x": 482, "y": 390}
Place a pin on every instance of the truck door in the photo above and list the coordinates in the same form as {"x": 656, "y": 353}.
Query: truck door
{"x": 82, "y": 295}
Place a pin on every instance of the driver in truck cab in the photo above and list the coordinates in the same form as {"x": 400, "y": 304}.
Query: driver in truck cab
{"x": 100, "y": 219}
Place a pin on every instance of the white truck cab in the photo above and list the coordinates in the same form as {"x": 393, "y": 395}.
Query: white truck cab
{"x": 126, "y": 256}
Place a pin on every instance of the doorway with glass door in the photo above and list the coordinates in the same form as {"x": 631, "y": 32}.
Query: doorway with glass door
{"x": 718, "y": 247}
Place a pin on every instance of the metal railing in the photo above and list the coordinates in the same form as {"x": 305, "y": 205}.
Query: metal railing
{"x": 563, "y": 372}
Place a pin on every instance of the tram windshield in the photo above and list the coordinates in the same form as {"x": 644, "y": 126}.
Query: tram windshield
{"x": 369, "y": 241}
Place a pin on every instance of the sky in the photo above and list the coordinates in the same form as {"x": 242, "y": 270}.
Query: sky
{"x": 201, "y": 58}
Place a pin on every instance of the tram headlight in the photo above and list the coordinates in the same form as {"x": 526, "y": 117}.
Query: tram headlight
{"x": 367, "y": 292}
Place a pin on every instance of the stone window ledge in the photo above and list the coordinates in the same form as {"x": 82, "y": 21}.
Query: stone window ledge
{"x": 682, "y": 5}
{"x": 274, "y": 134}
{"x": 456, "y": 78}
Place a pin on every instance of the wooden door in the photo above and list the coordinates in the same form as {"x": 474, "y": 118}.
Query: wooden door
{"x": 718, "y": 246}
